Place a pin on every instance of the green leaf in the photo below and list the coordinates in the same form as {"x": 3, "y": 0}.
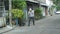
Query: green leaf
{"x": 17, "y": 13}
{"x": 20, "y": 4}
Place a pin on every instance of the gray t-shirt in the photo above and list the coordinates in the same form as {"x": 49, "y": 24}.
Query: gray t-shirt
{"x": 31, "y": 14}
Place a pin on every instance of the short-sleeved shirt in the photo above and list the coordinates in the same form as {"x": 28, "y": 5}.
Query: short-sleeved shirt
{"x": 31, "y": 14}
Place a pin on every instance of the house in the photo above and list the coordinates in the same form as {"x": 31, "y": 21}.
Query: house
{"x": 51, "y": 8}
{"x": 3, "y": 6}
{"x": 44, "y": 7}
{"x": 46, "y": 4}
{"x": 43, "y": 4}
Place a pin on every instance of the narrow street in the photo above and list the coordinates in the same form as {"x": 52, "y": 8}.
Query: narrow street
{"x": 48, "y": 25}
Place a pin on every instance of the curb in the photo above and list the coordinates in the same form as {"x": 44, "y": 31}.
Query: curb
{"x": 8, "y": 30}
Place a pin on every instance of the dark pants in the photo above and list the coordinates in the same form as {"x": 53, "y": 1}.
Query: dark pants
{"x": 31, "y": 18}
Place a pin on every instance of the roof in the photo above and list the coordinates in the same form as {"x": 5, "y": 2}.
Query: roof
{"x": 33, "y": 1}
{"x": 43, "y": 4}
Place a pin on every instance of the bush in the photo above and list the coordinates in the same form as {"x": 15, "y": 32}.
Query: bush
{"x": 38, "y": 13}
{"x": 17, "y": 13}
{"x": 19, "y": 4}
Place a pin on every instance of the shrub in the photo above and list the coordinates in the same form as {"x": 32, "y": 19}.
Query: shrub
{"x": 19, "y": 4}
{"x": 38, "y": 13}
{"x": 17, "y": 13}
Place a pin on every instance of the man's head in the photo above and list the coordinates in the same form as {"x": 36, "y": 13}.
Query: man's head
{"x": 30, "y": 9}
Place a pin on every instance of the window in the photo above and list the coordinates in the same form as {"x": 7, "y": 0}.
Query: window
{"x": 1, "y": 7}
{"x": 6, "y": 3}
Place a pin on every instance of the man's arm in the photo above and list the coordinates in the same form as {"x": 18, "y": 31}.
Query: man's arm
{"x": 28, "y": 13}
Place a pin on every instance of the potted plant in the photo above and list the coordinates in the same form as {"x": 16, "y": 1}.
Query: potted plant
{"x": 18, "y": 16}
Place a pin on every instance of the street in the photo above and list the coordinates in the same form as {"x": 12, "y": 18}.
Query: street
{"x": 48, "y": 25}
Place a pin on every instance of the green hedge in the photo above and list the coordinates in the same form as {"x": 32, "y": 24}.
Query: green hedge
{"x": 17, "y": 13}
{"x": 38, "y": 13}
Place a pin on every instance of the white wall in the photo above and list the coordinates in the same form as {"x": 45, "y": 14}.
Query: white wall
{"x": 49, "y": 3}
{"x": 43, "y": 1}
{"x": 43, "y": 11}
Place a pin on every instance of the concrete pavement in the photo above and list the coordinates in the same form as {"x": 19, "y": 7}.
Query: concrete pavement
{"x": 6, "y": 29}
{"x": 49, "y": 25}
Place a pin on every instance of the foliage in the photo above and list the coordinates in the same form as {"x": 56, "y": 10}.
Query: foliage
{"x": 57, "y": 3}
{"x": 38, "y": 13}
{"x": 18, "y": 4}
{"x": 17, "y": 13}
{"x": 58, "y": 7}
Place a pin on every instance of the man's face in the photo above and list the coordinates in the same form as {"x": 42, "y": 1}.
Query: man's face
{"x": 30, "y": 9}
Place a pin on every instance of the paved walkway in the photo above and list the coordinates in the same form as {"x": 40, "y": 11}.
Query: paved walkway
{"x": 49, "y": 25}
{"x": 6, "y": 29}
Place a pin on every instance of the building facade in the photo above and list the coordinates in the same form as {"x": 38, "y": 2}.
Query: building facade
{"x": 43, "y": 4}
{"x": 3, "y": 7}
{"x": 48, "y": 4}
{"x": 44, "y": 7}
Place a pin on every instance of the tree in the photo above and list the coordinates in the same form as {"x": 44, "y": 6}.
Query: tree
{"x": 38, "y": 13}
{"x": 19, "y": 4}
{"x": 57, "y": 3}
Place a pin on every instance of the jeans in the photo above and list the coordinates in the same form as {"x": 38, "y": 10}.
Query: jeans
{"x": 31, "y": 18}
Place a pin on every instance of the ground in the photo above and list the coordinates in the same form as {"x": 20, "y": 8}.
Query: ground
{"x": 48, "y": 25}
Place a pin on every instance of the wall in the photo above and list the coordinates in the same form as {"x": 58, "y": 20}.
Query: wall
{"x": 43, "y": 1}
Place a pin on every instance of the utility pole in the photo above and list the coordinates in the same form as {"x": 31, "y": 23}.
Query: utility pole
{"x": 10, "y": 16}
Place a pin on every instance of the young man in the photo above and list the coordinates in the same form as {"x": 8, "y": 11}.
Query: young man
{"x": 31, "y": 16}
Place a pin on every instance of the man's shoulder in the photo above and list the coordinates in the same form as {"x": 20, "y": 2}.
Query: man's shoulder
{"x": 32, "y": 10}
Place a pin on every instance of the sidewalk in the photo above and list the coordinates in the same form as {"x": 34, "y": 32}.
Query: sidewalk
{"x": 25, "y": 28}
{"x": 6, "y": 29}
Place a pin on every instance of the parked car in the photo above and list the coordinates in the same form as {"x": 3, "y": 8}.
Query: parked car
{"x": 57, "y": 12}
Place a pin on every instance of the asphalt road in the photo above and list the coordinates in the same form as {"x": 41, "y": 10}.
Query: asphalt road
{"x": 49, "y": 25}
